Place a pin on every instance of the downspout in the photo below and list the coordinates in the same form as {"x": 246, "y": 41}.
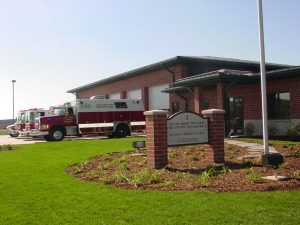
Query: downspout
{"x": 170, "y": 71}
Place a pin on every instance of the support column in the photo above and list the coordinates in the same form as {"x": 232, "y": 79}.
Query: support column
{"x": 198, "y": 98}
{"x": 214, "y": 151}
{"x": 123, "y": 94}
{"x": 156, "y": 138}
{"x": 220, "y": 95}
{"x": 145, "y": 97}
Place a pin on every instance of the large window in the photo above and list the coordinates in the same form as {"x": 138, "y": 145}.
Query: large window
{"x": 279, "y": 105}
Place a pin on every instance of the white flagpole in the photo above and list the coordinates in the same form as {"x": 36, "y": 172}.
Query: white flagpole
{"x": 263, "y": 77}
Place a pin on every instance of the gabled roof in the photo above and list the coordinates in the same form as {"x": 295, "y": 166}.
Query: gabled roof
{"x": 175, "y": 61}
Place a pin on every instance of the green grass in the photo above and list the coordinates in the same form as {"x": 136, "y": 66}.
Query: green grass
{"x": 3, "y": 132}
{"x": 34, "y": 189}
{"x": 271, "y": 141}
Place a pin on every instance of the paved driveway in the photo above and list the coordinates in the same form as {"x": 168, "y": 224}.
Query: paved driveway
{"x": 6, "y": 139}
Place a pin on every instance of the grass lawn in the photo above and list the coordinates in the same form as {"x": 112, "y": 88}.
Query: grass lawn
{"x": 2, "y": 132}
{"x": 34, "y": 189}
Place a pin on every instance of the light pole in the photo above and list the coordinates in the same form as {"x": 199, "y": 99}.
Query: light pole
{"x": 13, "y": 86}
{"x": 263, "y": 77}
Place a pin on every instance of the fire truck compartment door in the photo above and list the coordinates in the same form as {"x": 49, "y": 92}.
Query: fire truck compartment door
{"x": 71, "y": 130}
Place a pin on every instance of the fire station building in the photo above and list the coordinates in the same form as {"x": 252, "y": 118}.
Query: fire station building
{"x": 197, "y": 83}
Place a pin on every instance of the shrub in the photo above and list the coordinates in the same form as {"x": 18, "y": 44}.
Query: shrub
{"x": 293, "y": 131}
{"x": 256, "y": 177}
{"x": 249, "y": 129}
{"x": 272, "y": 130}
{"x": 7, "y": 147}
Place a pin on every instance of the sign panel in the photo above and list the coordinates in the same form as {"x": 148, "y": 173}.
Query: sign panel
{"x": 185, "y": 128}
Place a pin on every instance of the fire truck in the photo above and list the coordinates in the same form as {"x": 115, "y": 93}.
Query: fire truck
{"x": 115, "y": 118}
{"x": 13, "y": 130}
{"x": 30, "y": 116}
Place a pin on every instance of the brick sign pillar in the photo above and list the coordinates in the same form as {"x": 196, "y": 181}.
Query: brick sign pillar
{"x": 214, "y": 151}
{"x": 156, "y": 138}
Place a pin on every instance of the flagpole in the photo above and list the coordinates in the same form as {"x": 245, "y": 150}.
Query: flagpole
{"x": 263, "y": 77}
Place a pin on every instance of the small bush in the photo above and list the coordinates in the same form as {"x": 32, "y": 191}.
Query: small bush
{"x": 272, "y": 130}
{"x": 145, "y": 177}
{"x": 255, "y": 177}
{"x": 206, "y": 175}
{"x": 293, "y": 131}
{"x": 249, "y": 129}
{"x": 6, "y": 147}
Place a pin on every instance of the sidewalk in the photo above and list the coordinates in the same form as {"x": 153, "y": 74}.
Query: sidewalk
{"x": 254, "y": 150}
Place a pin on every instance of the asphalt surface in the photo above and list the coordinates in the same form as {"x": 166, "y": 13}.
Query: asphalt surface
{"x": 6, "y": 139}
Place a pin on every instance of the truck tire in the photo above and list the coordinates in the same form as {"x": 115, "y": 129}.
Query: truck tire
{"x": 56, "y": 134}
{"x": 121, "y": 131}
{"x": 14, "y": 135}
{"x": 46, "y": 137}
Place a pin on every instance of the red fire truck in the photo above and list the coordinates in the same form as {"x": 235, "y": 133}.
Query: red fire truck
{"x": 13, "y": 130}
{"x": 85, "y": 116}
{"x": 30, "y": 116}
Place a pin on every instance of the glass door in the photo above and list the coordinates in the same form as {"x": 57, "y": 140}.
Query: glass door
{"x": 236, "y": 116}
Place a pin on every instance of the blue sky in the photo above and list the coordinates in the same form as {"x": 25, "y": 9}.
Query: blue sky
{"x": 52, "y": 46}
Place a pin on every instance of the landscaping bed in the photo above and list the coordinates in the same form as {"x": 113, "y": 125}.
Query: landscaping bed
{"x": 187, "y": 170}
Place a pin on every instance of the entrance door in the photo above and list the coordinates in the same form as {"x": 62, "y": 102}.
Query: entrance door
{"x": 236, "y": 115}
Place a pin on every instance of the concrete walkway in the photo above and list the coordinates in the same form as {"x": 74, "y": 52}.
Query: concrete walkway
{"x": 254, "y": 150}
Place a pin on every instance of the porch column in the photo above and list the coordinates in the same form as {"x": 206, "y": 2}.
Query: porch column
{"x": 220, "y": 95}
{"x": 198, "y": 98}
{"x": 123, "y": 95}
{"x": 145, "y": 97}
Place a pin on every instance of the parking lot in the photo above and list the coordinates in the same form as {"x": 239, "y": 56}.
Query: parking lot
{"x": 6, "y": 139}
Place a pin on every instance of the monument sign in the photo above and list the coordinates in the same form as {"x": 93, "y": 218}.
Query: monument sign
{"x": 186, "y": 128}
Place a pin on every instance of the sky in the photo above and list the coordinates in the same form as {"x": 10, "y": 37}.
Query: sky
{"x": 51, "y": 46}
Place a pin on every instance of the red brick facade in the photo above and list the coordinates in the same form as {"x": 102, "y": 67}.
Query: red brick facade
{"x": 156, "y": 130}
{"x": 142, "y": 81}
{"x": 210, "y": 95}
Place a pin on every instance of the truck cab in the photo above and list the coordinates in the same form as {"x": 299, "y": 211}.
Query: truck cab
{"x": 55, "y": 126}
{"x": 30, "y": 116}
{"x": 13, "y": 130}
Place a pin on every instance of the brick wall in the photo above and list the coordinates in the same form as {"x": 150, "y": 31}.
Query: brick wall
{"x": 252, "y": 96}
{"x": 145, "y": 80}
{"x": 137, "y": 82}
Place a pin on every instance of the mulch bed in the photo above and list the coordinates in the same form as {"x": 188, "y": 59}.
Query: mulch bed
{"x": 187, "y": 170}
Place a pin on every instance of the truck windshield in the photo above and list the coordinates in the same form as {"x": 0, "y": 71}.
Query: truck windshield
{"x": 59, "y": 111}
{"x": 21, "y": 118}
{"x": 29, "y": 117}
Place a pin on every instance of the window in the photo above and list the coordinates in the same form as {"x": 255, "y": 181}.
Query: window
{"x": 121, "y": 105}
{"x": 279, "y": 105}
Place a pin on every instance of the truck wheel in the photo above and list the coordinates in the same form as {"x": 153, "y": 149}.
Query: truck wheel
{"x": 46, "y": 137}
{"x": 56, "y": 134}
{"x": 14, "y": 135}
{"x": 121, "y": 131}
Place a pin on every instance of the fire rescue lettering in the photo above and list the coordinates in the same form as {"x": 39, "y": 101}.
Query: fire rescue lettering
{"x": 98, "y": 106}
{"x": 106, "y": 106}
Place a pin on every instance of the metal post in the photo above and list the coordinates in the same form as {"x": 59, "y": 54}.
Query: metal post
{"x": 263, "y": 77}
{"x": 13, "y": 86}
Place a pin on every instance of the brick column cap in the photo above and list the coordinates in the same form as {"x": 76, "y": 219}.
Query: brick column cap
{"x": 213, "y": 111}
{"x": 155, "y": 112}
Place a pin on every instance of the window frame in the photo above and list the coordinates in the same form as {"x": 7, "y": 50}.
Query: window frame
{"x": 276, "y": 114}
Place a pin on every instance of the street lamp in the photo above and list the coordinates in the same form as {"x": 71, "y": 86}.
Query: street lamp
{"x": 13, "y": 86}
{"x": 263, "y": 77}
